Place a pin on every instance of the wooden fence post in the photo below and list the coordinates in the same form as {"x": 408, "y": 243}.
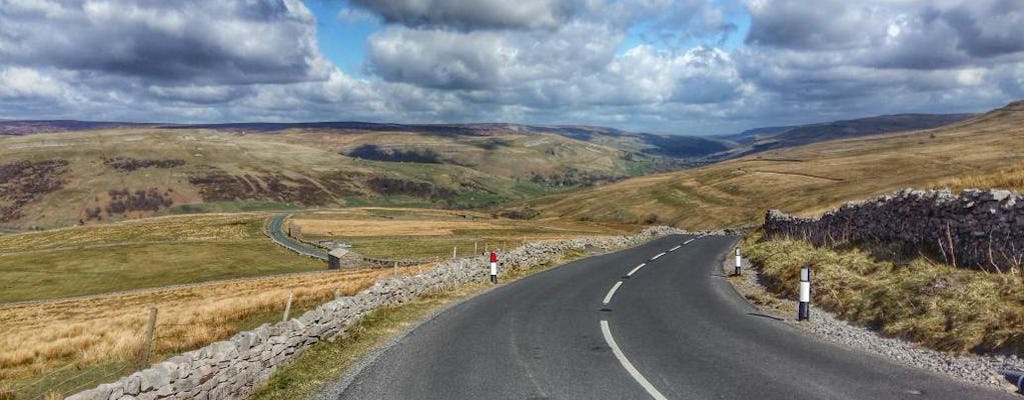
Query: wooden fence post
{"x": 147, "y": 347}
{"x": 288, "y": 306}
{"x": 394, "y": 272}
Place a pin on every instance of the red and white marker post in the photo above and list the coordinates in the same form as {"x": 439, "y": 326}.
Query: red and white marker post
{"x": 494, "y": 267}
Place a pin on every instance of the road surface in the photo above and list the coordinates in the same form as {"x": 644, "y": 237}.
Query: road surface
{"x": 675, "y": 329}
{"x": 279, "y": 236}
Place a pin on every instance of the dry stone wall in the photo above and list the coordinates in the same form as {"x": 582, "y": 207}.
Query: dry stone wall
{"x": 977, "y": 229}
{"x": 233, "y": 368}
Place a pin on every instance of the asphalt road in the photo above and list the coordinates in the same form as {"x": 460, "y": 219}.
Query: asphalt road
{"x": 675, "y": 329}
{"x": 277, "y": 234}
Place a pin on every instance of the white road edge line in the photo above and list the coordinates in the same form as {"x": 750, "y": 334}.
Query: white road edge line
{"x": 675, "y": 248}
{"x": 651, "y": 390}
{"x": 608, "y": 297}
{"x": 657, "y": 256}
{"x": 633, "y": 271}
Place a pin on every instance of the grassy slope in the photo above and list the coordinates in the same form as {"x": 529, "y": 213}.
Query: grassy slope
{"x": 811, "y": 178}
{"x": 940, "y": 306}
{"x": 479, "y": 172}
{"x": 139, "y": 254}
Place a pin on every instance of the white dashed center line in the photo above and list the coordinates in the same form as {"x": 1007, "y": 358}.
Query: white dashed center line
{"x": 675, "y": 248}
{"x": 657, "y": 256}
{"x": 608, "y": 297}
{"x": 633, "y": 271}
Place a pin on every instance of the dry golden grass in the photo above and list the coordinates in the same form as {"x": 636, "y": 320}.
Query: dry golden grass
{"x": 387, "y": 228}
{"x": 206, "y": 227}
{"x": 42, "y": 337}
{"x": 940, "y": 306}
{"x": 810, "y": 179}
{"x": 1010, "y": 178}
{"x": 418, "y": 234}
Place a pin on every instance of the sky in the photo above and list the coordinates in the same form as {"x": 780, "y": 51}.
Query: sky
{"x": 681, "y": 67}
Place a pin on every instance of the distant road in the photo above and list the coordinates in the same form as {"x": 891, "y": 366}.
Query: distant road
{"x": 675, "y": 329}
{"x": 278, "y": 235}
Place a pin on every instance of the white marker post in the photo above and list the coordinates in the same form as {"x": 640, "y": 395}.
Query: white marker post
{"x": 494, "y": 267}
{"x": 804, "y": 311}
{"x": 739, "y": 261}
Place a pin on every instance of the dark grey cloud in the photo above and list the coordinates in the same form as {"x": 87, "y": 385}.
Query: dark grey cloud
{"x": 195, "y": 41}
{"x": 987, "y": 28}
{"x": 797, "y": 24}
{"x": 479, "y": 14}
{"x": 909, "y": 34}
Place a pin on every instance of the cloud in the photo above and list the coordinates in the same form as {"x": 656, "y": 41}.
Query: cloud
{"x": 263, "y": 41}
{"x": 656, "y": 65}
{"x": 481, "y": 14}
{"x": 27, "y": 83}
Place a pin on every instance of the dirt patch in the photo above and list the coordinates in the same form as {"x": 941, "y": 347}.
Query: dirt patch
{"x": 126, "y": 164}
{"x": 397, "y": 186}
{"x": 218, "y": 185}
{"x": 24, "y": 182}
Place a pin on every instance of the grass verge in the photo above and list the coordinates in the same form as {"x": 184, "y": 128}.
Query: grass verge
{"x": 936, "y": 305}
{"x": 328, "y": 360}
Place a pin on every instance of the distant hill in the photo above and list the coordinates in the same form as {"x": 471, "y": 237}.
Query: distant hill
{"x": 671, "y": 146}
{"x": 763, "y": 139}
{"x": 23, "y": 127}
{"x": 983, "y": 150}
{"x": 93, "y": 172}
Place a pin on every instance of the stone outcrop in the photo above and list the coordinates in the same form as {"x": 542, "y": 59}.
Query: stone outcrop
{"x": 233, "y": 368}
{"x": 976, "y": 229}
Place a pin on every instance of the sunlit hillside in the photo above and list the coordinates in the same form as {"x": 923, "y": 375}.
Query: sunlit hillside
{"x": 983, "y": 151}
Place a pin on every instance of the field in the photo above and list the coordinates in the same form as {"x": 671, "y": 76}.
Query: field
{"x": 813, "y": 178}
{"x": 389, "y": 233}
{"x": 140, "y": 254}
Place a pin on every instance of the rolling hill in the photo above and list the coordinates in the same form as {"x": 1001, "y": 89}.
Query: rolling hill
{"x": 98, "y": 172}
{"x": 763, "y": 139}
{"x": 983, "y": 150}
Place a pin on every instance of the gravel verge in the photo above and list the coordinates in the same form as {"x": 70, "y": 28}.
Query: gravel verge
{"x": 980, "y": 369}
